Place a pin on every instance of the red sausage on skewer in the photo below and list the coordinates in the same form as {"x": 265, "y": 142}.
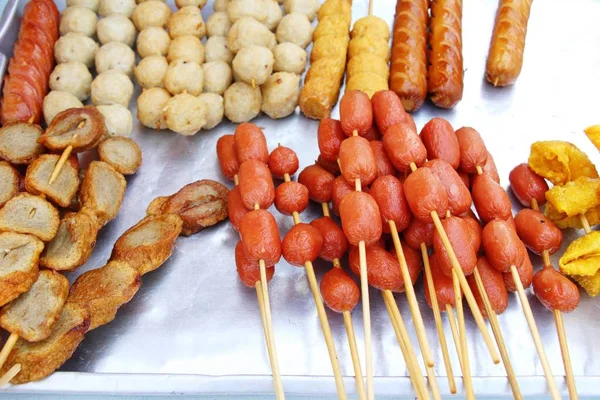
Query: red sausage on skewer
{"x": 444, "y": 287}
{"x": 291, "y": 196}
{"x": 356, "y": 113}
{"x": 330, "y": 137}
{"x": 419, "y": 232}
{"x": 318, "y": 182}
{"x": 283, "y": 160}
{"x": 256, "y": 184}
{"x": 459, "y": 198}
{"x": 361, "y": 220}
{"x": 389, "y": 195}
{"x": 335, "y": 243}
{"x": 301, "y": 244}
{"x": 441, "y": 142}
{"x": 473, "y": 152}
{"x": 357, "y": 160}
{"x": 404, "y": 147}
{"x": 249, "y": 272}
{"x": 458, "y": 233}
{"x": 425, "y": 194}
{"x": 493, "y": 282}
{"x": 339, "y": 290}
{"x": 227, "y": 155}
{"x": 388, "y": 110}
{"x": 527, "y": 185}
{"x": 250, "y": 143}
{"x": 260, "y": 237}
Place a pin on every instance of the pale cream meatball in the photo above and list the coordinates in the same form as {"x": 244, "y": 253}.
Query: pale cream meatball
{"x": 218, "y": 24}
{"x": 274, "y": 14}
{"x": 217, "y": 76}
{"x": 91, "y": 4}
{"x": 115, "y": 56}
{"x": 187, "y": 48}
{"x": 253, "y": 64}
{"x": 306, "y": 7}
{"x": 242, "y": 102}
{"x": 247, "y": 31}
{"x": 295, "y": 28}
{"x": 112, "y": 87}
{"x": 72, "y": 77}
{"x": 185, "y": 114}
{"x": 118, "y": 119}
{"x": 151, "y": 107}
{"x": 289, "y": 57}
{"x": 187, "y": 21}
{"x": 153, "y": 41}
{"x": 78, "y": 19}
{"x": 221, "y": 5}
{"x": 214, "y": 109}
{"x": 151, "y": 71}
{"x": 143, "y": 1}
{"x": 116, "y": 28}
{"x": 256, "y": 9}
{"x": 150, "y": 13}
{"x": 280, "y": 94}
{"x": 217, "y": 49}
{"x": 110, "y": 7}
{"x": 185, "y": 3}
{"x": 76, "y": 47}
{"x": 56, "y": 102}
{"x": 184, "y": 76}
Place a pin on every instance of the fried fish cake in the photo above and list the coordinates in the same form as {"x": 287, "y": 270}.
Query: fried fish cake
{"x": 72, "y": 245}
{"x": 102, "y": 291}
{"x": 9, "y": 182}
{"x": 18, "y": 142}
{"x": 26, "y": 213}
{"x": 156, "y": 205}
{"x": 40, "y": 359}
{"x": 82, "y": 128}
{"x": 122, "y": 153}
{"x": 33, "y": 314}
{"x": 64, "y": 187}
{"x": 102, "y": 191}
{"x": 147, "y": 245}
{"x": 19, "y": 256}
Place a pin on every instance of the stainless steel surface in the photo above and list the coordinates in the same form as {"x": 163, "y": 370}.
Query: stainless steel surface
{"x": 194, "y": 328}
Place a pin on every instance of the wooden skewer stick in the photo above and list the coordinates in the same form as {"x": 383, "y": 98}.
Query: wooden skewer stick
{"x": 462, "y": 332}
{"x": 60, "y": 164}
{"x": 8, "y": 346}
{"x": 438, "y": 319}
{"x": 11, "y": 373}
{"x": 455, "y": 335}
{"x": 371, "y": 7}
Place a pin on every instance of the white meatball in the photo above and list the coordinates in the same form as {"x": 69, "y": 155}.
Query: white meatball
{"x": 187, "y": 21}
{"x": 151, "y": 107}
{"x": 214, "y": 109}
{"x": 115, "y": 56}
{"x": 253, "y": 64}
{"x": 143, "y": 1}
{"x": 289, "y": 57}
{"x": 295, "y": 28}
{"x": 217, "y": 49}
{"x": 78, "y": 19}
{"x": 217, "y": 76}
{"x": 72, "y": 77}
{"x": 186, "y": 48}
{"x": 256, "y": 9}
{"x": 118, "y": 119}
{"x": 218, "y": 24}
{"x": 242, "y": 102}
{"x": 306, "y": 7}
{"x": 91, "y": 4}
{"x": 151, "y": 71}
{"x": 153, "y": 41}
{"x": 247, "y": 32}
{"x": 274, "y": 14}
{"x": 185, "y": 3}
{"x": 56, "y": 102}
{"x": 112, "y": 87}
{"x": 116, "y": 28}
{"x": 221, "y": 5}
{"x": 185, "y": 114}
{"x": 110, "y": 7}
{"x": 280, "y": 94}
{"x": 184, "y": 76}
{"x": 75, "y": 47}
{"x": 150, "y": 13}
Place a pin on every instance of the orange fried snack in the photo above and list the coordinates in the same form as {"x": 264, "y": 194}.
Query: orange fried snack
{"x": 560, "y": 162}
{"x": 575, "y": 197}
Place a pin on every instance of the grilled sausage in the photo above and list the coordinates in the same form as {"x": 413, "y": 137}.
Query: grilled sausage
{"x": 361, "y": 220}
{"x": 256, "y": 184}
{"x": 340, "y": 188}
{"x": 458, "y": 233}
{"x": 527, "y": 185}
{"x": 339, "y": 290}
{"x": 356, "y": 113}
{"x": 260, "y": 237}
{"x": 493, "y": 282}
{"x": 357, "y": 160}
{"x": 419, "y": 232}
{"x": 388, "y": 110}
{"x": 227, "y": 156}
{"x": 389, "y": 195}
{"x": 318, "y": 182}
{"x": 459, "y": 198}
{"x": 335, "y": 243}
{"x": 330, "y": 137}
{"x": 525, "y": 272}
{"x": 330, "y": 166}
{"x": 490, "y": 199}
{"x": 502, "y": 246}
{"x": 555, "y": 291}
{"x": 404, "y": 147}
{"x": 301, "y": 244}
{"x": 425, "y": 194}
{"x": 248, "y": 271}
{"x": 291, "y": 196}
{"x": 235, "y": 207}
{"x": 384, "y": 165}
{"x": 473, "y": 152}
{"x": 444, "y": 287}
{"x": 538, "y": 232}
{"x": 283, "y": 160}
{"x": 441, "y": 142}
{"x": 250, "y": 143}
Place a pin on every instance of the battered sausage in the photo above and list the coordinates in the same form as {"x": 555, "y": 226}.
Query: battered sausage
{"x": 340, "y": 188}
{"x": 459, "y": 236}
{"x": 357, "y": 160}
{"x": 227, "y": 155}
{"x": 490, "y": 199}
{"x": 525, "y": 272}
{"x": 330, "y": 137}
{"x": 527, "y": 185}
{"x": 318, "y": 182}
{"x": 335, "y": 243}
{"x": 404, "y": 147}
{"x": 493, "y": 283}
{"x": 361, "y": 220}
{"x": 382, "y": 161}
{"x": 339, "y": 290}
{"x": 419, "y": 232}
{"x": 389, "y": 195}
{"x": 283, "y": 160}
{"x": 235, "y": 207}
{"x": 291, "y": 196}
{"x": 249, "y": 272}
{"x": 330, "y": 166}
{"x": 425, "y": 194}
{"x": 537, "y": 231}
{"x": 473, "y": 152}
{"x": 502, "y": 246}
{"x": 356, "y": 112}
{"x": 260, "y": 237}
{"x": 444, "y": 287}
{"x": 555, "y": 291}
{"x": 508, "y": 42}
{"x": 441, "y": 142}
{"x": 256, "y": 185}
{"x": 250, "y": 143}
{"x": 301, "y": 244}
{"x": 459, "y": 198}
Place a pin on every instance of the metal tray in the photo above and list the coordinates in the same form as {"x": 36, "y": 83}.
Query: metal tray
{"x": 193, "y": 328}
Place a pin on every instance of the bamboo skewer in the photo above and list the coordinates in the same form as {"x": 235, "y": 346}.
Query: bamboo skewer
{"x": 462, "y": 335}
{"x": 11, "y": 373}
{"x": 64, "y": 157}
{"x": 8, "y": 346}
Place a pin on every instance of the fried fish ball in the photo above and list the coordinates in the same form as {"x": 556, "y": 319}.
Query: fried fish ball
{"x": 306, "y": 7}
{"x": 218, "y": 24}
{"x": 151, "y": 71}
{"x": 111, "y": 7}
{"x": 62, "y": 190}
{"x": 116, "y": 28}
{"x": 280, "y": 94}
{"x": 26, "y": 213}
{"x": 112, "y": 87}
{"x": 256, "y": 9}
{"x": 150, "y": 106}
{"x": 78, "y": 19}
{"x": 185, "y": 114}
{"x": 295, "y": 28}
{"x": 196, "y": 3}
{"x": 150, "y": 13}
{"x": 369, "y": 44}
{"x": 217, "y": 49}
{"x": 221, "y": 5}
{"x": 102, "y": 192}
{"x": 368, "y": 82}
{"x": 187, "y": 21}
{"x": 152, "y": 41}
{"x": 274, "y": 14}
{"x": 371, "y": 26}
{"x": 75, "y": 47}
{"x": 9, "y": 182}
{"x": 19, "y": 265}
{"x": 18, "y": 145}
{"x": 118, "y": 119}
{"x": 253, "y": 64}
{"x": 217, "y": 77}
{"x": 91, "y": 4}
{"x": 184, "y": 76}
{"x": 72, "y": 77}
{"x": 58, "y": 101}
{"x": 289, "y": 57}
{"x": 242, "y": 102}
{"x": 187, "y": 48}
{"x": 115, "y": 56}
{"x": 214, "y": 109}
{"x": 247, "y": 31}
{"x": 368, "y": 62}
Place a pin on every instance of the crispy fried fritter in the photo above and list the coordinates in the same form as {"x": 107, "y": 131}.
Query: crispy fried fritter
{"x": 82, "y": 128}
{"x": 19, "y": 255}
{"x": 122, "y": 153}
{"x": 40, "y": 359}
{"x": 102, "y": 191}
{"x": 18, "y": 142}
{"x": 26, "y": 213}
{"x": 149, "y": 243}
{"x": 33, "y": 314}
{"x": 64, "y": 187}
{"x": 102, "y": 291}
{"x": 156, "y": 205}
{"x": 9, "y": 182}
